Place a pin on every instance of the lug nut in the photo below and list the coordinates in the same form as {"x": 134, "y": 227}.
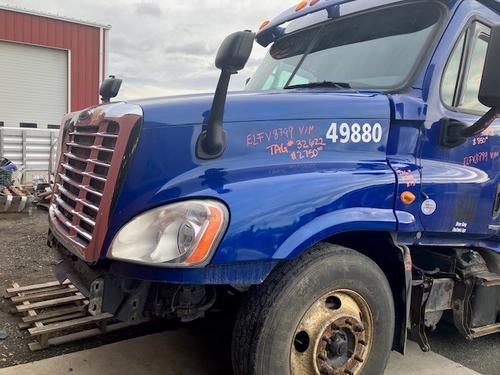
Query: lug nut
{"x": 359, "y": 328}
{"x": 358, "y": 358}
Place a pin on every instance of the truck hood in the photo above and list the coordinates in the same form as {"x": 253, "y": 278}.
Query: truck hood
{"x": 267, "y": 106}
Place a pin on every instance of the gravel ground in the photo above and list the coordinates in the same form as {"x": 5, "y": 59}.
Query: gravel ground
{"x": 25, "y": 258}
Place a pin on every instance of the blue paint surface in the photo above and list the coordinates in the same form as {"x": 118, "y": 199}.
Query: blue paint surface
{"x": 283, "y": 199}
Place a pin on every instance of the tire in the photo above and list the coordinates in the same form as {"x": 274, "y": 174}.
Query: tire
{"x": 303, "y": 296}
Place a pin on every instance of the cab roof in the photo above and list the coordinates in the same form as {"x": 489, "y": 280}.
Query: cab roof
{"x": 271, "y": 30}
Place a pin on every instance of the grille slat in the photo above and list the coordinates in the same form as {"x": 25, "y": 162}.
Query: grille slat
{"x": 63, "y": 219}
{"x": 104, "y": 135}
{"x": 72, "y": 211}
{"x": 87, "y": 174}
{"x": 76, "y": 199}
{"x": 70, "y": 226}
{"x": 88, "y": 189}
{"x": 93, "y": 161}
{"x": 98, "y": 148}
{"x": 87, "y": 159}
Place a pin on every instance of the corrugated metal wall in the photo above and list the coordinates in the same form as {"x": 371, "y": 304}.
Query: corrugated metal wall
{"x": 81, "y": 40}
{"x": 29, "y": 149}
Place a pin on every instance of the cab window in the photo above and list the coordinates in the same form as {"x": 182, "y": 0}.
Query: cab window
{"x": 470, "y": 101}
{"x": 462, "y": 77}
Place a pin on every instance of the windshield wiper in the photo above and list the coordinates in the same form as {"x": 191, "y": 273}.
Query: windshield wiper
{"x": 327, "y": 84}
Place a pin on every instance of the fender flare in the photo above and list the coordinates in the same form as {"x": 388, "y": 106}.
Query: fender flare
{"x": 341, "y": 221}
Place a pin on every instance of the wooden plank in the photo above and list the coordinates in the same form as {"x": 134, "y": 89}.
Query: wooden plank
{"x": 486, "y": 330}
{"x": 43, "y": 290}
{"x": 20, "y": 289}
{"x": 35, "y": 346}
{"x": 50, "y": 303}
{"x": 45, "y": 295}
{"x": 490, "y": 281}
{"x": 53, "y": 314}
{"x": 56, "y": 327}
{"x": 23, "y": 325}
{"x": 31, "y": 313}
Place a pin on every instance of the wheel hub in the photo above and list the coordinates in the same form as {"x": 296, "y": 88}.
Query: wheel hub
{"x": 339, "y": 329}
{"x": 341, "y": 345}
{"x": 337, "y": 345}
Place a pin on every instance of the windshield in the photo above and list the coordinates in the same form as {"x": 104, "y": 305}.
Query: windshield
{"x": 378, "y": 49}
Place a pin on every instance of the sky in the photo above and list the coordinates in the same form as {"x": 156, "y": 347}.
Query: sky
{"x": 167, "y": 47}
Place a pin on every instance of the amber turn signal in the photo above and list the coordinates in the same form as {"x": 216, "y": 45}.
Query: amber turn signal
{"x": 209, "y": 237}
{"x": 264, "y": 24}
{"x": 408, "y": 197}
{"x": 301, "y": 5}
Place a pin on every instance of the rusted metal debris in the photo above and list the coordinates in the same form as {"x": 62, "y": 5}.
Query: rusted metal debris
{"x": 15, "y": 199}
{"x": 43, "y": 199}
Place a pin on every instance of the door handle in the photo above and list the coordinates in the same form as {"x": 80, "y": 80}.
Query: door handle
{"x": 496, "y": 207}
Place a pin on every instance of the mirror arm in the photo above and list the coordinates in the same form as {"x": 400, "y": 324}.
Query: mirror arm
{"x": 455, "y": 133}
{"x": 482, "y": 124}
{"x": 213, "y": 141}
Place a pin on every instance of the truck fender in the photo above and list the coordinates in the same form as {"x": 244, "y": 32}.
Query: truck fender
{"x": 341, "y": 221}
{"x": 368, "y": 220}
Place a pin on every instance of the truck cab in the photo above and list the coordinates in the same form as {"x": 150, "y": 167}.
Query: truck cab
{"x": 349, "y": 195}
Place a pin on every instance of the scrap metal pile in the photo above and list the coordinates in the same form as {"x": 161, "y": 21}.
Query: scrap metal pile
{"x": 13, "y": 197}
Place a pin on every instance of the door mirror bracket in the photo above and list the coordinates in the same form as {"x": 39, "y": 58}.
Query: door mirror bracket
{"x": 451, "y": 133}
{"x": 455, "y": 133}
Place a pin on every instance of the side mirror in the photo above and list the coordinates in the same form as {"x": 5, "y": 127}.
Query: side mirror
{"x": 455, "y": 133}
{"x": 232, "y": 57}
{"x": 110, "y": 88}
{"x": 489, "y": 92}
{"x": 234, "y": 52}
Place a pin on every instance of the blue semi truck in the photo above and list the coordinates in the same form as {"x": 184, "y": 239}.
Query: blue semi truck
{"x": 348, "y": 196}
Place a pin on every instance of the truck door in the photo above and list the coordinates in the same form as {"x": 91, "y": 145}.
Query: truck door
{"x": 460, "y": 185}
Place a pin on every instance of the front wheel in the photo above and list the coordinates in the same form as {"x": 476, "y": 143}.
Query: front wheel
{"x": 329, "y": 312}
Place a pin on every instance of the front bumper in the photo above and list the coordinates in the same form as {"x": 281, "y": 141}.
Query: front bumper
{"x": 123, "y": 297}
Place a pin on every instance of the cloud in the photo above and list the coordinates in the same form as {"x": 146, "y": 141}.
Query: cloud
{"x": 196, "y": 48}
{"x": 148, "y": 8}
{"x": 167, "y": 47}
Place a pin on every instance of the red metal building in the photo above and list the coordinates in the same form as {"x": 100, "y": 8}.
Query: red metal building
{"x": 48, "y": 65}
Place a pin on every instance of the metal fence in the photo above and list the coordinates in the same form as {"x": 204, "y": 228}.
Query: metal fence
{"x": 31, "y": 149}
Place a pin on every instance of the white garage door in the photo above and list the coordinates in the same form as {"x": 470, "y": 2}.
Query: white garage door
{"x": 33, "y": 85}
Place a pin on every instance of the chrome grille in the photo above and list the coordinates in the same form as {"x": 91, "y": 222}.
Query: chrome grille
{"x": 82, "y": 176}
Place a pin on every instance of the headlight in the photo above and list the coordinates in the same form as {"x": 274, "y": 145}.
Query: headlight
{"x": 177, "y": 235}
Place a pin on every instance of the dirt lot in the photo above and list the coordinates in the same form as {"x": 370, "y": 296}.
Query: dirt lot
{"x": 25, "y": 258}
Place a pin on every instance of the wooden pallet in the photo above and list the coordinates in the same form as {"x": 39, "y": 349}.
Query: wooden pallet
{"x": 55, "y": 314}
